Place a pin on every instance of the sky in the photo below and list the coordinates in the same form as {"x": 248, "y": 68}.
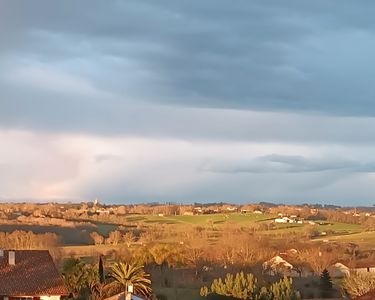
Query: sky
{"x": 187, "y": 101}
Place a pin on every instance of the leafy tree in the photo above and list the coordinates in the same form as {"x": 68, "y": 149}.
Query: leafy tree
{"x": 78, "y": 276}
{"x": 283, "y": 290}
{"x": 124, "y": 274}
{"x": 244, "y": 286}
{"x": 359, "y": 283}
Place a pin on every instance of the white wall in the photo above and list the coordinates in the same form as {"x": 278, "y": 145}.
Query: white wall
{"x": 50, "y": 298}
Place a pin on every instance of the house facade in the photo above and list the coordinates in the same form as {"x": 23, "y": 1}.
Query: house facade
{"x": 30, "y": 275}
{"x": 122, "y": 296}
{"x": 364, "y": 267}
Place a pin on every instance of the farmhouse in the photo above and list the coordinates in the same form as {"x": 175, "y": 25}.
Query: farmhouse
{"x": 284, "y": 220}
{"x": 287, "y": 264}
{"x": 29, "y": 275}
{"x": 365, "y": 267}
{"x": 279, "y": 266}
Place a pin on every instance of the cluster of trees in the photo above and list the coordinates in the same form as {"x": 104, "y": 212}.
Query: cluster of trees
{"x": 197, "y": 246}
{"x": 115, "y": 237}
{"x": 359, "y": 283}
{"x": 86, "y": 281}
{"x": 49, "y": 221}
{"x": 20, "y": 239}
{"x": 246, "y": 287}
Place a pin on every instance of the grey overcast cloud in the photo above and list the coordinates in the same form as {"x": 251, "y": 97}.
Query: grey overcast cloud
{"x": 235, "y": 101}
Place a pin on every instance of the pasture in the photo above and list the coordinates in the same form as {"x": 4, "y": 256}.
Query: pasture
{"x": 366, "y": 240}
{"x": 217, "y": 219}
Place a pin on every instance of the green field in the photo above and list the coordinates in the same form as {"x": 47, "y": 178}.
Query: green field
{"x": 364, "y": 239}
{"x": 330, "y": 228}
{"x": 242, "y": 219}
{"x": 328, "y": 231}
{"x": 105, "y": 229}
{"x": 339, "y": 228}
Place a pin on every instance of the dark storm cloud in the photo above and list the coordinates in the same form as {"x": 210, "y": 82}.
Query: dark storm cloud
{"x": 290, "y": 55}
{"x": 187, "y": 98}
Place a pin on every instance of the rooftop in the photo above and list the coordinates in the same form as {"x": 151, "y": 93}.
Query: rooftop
{"x": 33, "y": 274}
{"x": 368, "y": 296}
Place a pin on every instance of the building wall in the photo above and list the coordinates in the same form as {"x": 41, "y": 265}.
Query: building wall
{"x": 34, "y": 298}
{"x": 370, "y": 269}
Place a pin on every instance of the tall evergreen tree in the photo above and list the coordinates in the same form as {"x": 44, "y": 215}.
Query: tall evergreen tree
{"x": 101, "y": 270}
{"x": 326, "y": 284}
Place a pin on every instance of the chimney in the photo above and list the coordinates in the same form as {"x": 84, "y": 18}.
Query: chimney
{"x": 12, "y": 258}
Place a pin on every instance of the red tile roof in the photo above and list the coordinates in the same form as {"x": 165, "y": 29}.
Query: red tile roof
{"x": 368, "y": 296}
{"x": 34, "y": 274}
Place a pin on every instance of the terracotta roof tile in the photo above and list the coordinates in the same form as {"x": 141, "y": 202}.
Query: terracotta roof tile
{"x": 34, "y": 274}
{"x": 368, "y": 296}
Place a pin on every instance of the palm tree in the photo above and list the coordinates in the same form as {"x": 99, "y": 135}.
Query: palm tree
{"x": 124, "y": 274}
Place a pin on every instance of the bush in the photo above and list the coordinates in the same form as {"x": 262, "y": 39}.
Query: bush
{"x": 161, "y": 297}
{"x": 359, "y": 283}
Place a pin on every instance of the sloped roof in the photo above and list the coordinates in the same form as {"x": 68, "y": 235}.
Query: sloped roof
{"x": 277, "y": 261}
{"x": 34, "y": 274}
{"x": 368, "y": 296}
{"x": 364, "y": 264}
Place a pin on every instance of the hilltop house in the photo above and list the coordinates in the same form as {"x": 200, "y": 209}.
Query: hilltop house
{"x": 284, "y": 220}
{"x": 365, "y": 267}
{"x": 279, "y": 266}
{"x": 287, "y": 264}
{"x": 29, "y": 275}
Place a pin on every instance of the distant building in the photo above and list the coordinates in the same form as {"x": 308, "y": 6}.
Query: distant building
{"x": 364, "y": 267}
{"x": 279, "y": 266}
{"x": 102, "y": 211}
{"x": 198, "y": 210}
{"x": 29, "y": 275}
{"x": 284, "y": 220}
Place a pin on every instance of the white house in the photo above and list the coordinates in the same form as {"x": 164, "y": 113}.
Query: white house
{"x": 364, "y": 267}
{"x": 279, "y": 266}
{"x": 284, "y": 220}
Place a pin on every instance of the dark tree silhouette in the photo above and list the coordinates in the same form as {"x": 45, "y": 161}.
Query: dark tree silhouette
{"x": 101, "y": 270}
{"x": 326, "y": 284}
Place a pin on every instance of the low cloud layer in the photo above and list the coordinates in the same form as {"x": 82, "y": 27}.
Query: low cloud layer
{"x": 171, "y": 101}
{"x": 276, "y": 163}
{"x": 128, "y": 169}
